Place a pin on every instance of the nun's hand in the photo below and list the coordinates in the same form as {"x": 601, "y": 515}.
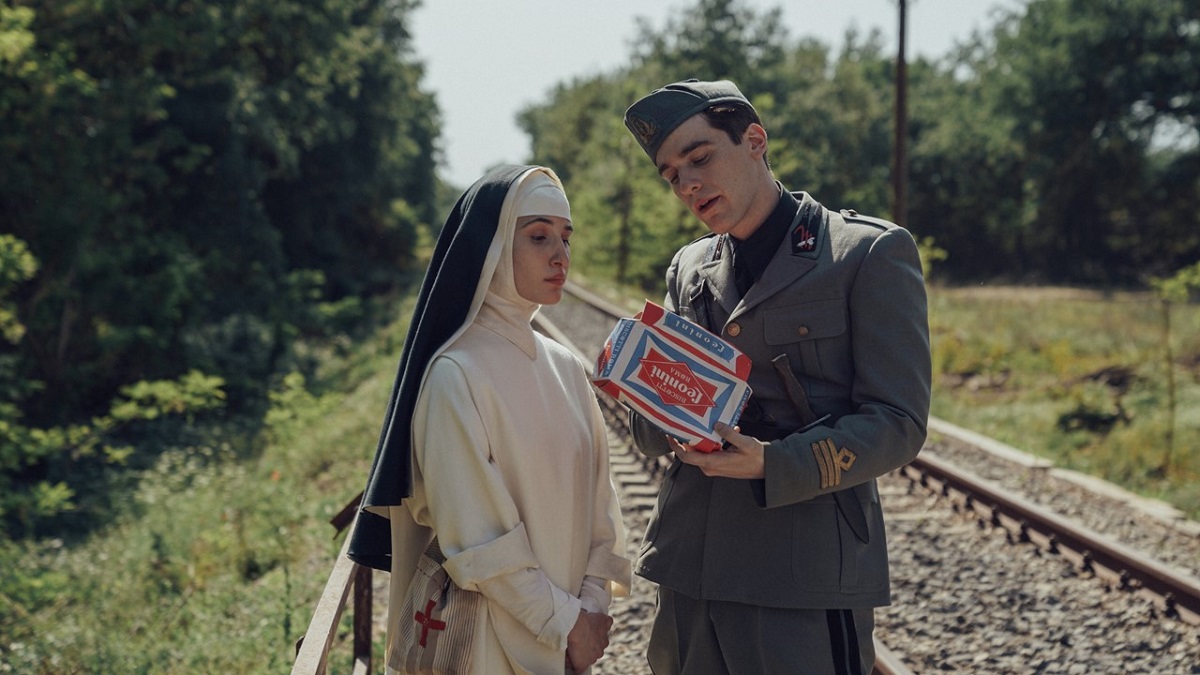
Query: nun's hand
{"x": 588, "y": 639}
{"x": 742, "y": 456}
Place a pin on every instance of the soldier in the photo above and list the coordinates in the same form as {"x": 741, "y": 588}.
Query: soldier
{"x": 770, "y": 554}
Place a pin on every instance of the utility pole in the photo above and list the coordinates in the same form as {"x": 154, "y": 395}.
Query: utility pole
{"x": 900, "y": 152}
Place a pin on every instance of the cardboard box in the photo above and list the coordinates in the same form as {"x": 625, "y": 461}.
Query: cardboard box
{"x": 675, "y": 373}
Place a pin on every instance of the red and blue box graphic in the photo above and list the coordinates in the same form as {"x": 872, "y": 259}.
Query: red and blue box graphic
{"x": 676, "y": 374}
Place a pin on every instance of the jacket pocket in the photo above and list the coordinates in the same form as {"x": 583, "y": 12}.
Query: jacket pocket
{"x": 827, "y": 556}
{"x": 799, "y": 329}
{"x": 817, "y": 545}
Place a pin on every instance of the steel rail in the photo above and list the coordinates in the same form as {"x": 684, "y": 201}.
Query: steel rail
{"x": 888, "y": 663}
{"x": 1177, "y": 594}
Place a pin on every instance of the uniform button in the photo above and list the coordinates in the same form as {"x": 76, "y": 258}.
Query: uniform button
{"x": 802, "y": 330}
{"x": 733, "y": 329}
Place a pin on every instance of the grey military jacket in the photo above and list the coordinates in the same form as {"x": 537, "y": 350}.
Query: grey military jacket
{"x": 844, "y": 299}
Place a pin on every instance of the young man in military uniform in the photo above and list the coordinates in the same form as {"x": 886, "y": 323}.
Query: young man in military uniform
{"x": 770, "y": 554}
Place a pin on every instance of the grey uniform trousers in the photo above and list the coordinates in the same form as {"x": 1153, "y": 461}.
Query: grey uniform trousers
{"x": 711, "y": 637}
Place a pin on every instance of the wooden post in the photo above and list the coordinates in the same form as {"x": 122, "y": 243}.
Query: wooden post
{"x": 362, "y": 620}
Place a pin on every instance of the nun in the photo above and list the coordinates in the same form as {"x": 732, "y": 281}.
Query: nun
{"x": 490, "y": 500}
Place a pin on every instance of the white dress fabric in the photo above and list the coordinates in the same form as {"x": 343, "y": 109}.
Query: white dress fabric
{"x": 511, "y": 473}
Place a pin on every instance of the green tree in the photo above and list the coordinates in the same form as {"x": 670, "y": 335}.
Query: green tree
{"x": 1086, "y": 87}
{"x": 177, "y": 168}
{"x": 1062, "y": 144}
{"x": 200, "y": 184}
{"x": 831, "y": 132}
{"x": 716, "y": 39}
{"x": 967, "y": 189}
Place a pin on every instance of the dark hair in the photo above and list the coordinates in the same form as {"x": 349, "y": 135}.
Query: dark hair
{"x": 733, "y": 118}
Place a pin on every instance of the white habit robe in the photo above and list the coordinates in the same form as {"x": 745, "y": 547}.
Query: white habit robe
{"x": 511, "y": 473}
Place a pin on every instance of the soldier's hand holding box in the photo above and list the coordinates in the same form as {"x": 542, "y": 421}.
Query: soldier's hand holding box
{"x": 676, "y": 374}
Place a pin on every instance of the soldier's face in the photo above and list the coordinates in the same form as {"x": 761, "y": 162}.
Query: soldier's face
{"x": 716, "y": 179}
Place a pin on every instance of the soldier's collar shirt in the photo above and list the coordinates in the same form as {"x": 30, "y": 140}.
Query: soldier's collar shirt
{"x": 751, "y": 256}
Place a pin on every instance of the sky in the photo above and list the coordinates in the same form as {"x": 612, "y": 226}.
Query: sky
{"x": 485, "y": 60}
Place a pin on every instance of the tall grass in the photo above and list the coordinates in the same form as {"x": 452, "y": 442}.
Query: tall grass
{"x": 219, "y": 555}
{"x": 1077, "y": 377}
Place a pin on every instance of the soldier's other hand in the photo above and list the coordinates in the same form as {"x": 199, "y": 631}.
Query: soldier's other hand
{"x": 742, "y": 456}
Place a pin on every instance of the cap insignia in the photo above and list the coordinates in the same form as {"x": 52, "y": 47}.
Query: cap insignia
{"x": 644, "y": 129}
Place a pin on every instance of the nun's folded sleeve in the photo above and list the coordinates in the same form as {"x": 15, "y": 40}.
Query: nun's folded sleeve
{"x": 505, "y": 571}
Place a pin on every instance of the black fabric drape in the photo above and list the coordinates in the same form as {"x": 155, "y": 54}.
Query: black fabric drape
{"x": 442, "y": 307}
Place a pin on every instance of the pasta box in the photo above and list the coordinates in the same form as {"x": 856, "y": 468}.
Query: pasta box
{"x": 675, "y": 373}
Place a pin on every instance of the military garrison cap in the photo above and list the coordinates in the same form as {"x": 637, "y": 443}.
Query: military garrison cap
{"x": 653, "y": 117}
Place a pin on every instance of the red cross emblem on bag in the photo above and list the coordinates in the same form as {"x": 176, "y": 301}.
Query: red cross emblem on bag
{"x": 427, "y": 621}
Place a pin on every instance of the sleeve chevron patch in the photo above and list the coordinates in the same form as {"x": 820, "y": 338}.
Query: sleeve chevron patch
{"x": 832, "y": 461}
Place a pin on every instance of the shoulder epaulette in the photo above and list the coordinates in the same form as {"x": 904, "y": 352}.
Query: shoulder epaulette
{"x": 853, "y": 216}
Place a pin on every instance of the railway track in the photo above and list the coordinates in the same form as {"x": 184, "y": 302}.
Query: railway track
{"x": 984, "y": 579}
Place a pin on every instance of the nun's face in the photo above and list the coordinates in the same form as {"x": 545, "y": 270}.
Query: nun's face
{"x": 541, "y": 257}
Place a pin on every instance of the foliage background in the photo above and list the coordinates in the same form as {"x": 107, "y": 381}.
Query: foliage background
{"x": 199, "y": 186}
{"x": 210, "y": 210}
{"x": 1060, "y": 147}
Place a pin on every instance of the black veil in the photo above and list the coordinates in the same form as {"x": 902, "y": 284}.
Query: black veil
{"x": 449, "y": 300}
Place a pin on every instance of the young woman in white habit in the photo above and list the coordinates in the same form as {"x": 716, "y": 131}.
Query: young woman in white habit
{"x": 492, "y": 468}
